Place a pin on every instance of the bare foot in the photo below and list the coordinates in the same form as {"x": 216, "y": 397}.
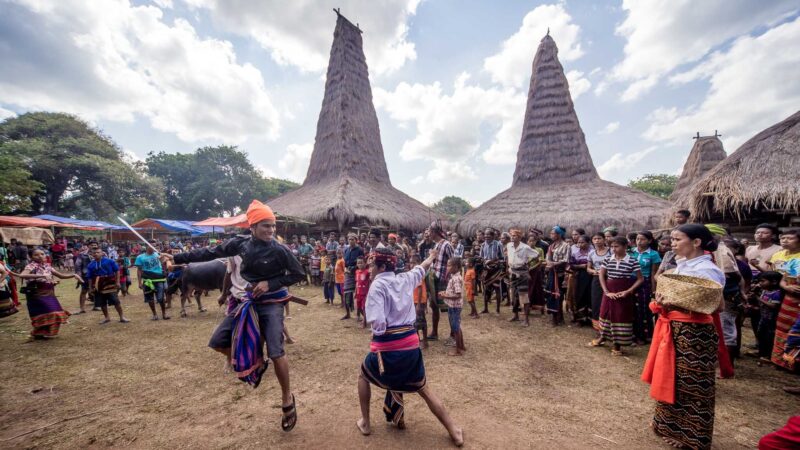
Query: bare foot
{"x": 458, "y": 437}
{"x": 454, "y": 352}
{"x": 363, "y": 427}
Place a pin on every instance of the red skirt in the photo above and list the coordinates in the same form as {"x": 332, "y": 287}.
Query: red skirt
{"x": 617, "y": 315}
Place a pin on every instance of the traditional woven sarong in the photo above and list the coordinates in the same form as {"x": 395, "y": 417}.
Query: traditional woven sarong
{"x": 597, "y": 301}
{"x": 582, "y": 294}
{"x": 643, "y": 322}
{"x": 247, "y": 346}
{"x": 45, "y": 310}
{"x": 792, "y": 348}
{"x": 395, "y": 363}
{"x": 689, "y": 421}
{"x": 553, "y": 291}
{"x": 536, "y": 286}
{"x": 787, "y": 316}
{"x": 616, "y": 315}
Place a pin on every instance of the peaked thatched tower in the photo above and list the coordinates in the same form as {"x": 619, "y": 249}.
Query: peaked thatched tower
{"x": 756, "y": 183}
{"x": 347, "y": 181}
{"x": 555, "y": 182}
{"x": 706, "y": 153}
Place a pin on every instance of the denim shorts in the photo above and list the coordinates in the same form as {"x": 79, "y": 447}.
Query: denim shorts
{"x": 109, "y": 299}
{"x": 270, "y": 320}
{"x": 454, "y": 316}
{"x": 155, "y": 295}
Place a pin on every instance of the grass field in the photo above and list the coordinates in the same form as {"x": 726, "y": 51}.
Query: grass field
{"x": 156, "y": 385}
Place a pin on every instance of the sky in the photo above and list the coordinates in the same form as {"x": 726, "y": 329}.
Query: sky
{"x": 449, "y": 78}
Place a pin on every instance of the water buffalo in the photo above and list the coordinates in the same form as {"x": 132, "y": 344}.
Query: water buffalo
{"x": 199, "y": 277}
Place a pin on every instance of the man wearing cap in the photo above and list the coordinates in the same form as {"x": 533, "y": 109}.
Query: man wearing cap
{"x": 269, "y": 268}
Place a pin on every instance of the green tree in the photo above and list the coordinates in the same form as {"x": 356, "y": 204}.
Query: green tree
{"x": 211, "y": 181}
{"x": 16, "y": 185}
{"x": 78, "y": 168}
{"x": 660, "y": 185}
{"x": 273, "y": 187}
{"x": 452, "y": 206}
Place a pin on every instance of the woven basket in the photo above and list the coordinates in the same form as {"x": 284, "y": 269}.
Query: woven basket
{"x": 689, "y": 293}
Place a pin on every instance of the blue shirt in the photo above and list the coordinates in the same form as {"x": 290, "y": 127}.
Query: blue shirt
{"x": 104, "y": 268}
{"x": 351, "y": 255}
{"x": 646, "y": 259}
{"x": 149, "y": 263}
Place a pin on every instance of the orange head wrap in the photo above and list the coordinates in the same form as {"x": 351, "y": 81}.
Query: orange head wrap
{"x": 258, "y": 212}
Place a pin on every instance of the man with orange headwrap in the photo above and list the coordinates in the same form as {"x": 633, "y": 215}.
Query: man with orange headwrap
{"x": 269, "y": 268}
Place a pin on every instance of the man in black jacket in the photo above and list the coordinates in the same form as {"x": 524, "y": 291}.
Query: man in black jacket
{"x": 268, "y": 267}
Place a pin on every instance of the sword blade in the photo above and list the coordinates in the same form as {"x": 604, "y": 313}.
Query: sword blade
{"x": 127, "y": 225}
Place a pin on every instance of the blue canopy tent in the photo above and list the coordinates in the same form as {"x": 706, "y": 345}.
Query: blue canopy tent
{"x": 81, "y": 223}
{"x": 174, "y": 226}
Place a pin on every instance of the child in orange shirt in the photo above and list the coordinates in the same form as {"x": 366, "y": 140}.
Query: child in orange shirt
{"x": 362, "y": 287}
{"x": 469, "y": 287}
{"x": 420, "y": 303}
{"x": 338, "y": 276}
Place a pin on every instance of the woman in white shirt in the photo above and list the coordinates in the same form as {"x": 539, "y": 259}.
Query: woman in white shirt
{"x": 684, "y": 384}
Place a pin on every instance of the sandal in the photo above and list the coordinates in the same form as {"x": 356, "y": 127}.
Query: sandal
{"x": 597, "y": 343}
{"x": 616, "y": 353}
{"x": 289, "y": 419}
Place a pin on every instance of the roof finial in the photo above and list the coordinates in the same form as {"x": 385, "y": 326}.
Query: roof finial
{"x": 548, "y": 31}
{"x": 716, "y": 134}
{"x": 336, "y": 10}
{"x": 697, "y": 136}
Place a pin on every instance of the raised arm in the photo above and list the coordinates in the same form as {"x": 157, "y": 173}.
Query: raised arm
{"x": 227, "y": 248}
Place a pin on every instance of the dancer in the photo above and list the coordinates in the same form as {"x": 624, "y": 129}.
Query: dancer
{"x": 395, "y": 361}
{"x": 45, "y": 311}
{"x": 269, "y": 267}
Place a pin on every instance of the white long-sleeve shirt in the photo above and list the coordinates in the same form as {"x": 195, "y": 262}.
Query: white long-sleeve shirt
{"x": 390, "y": 300}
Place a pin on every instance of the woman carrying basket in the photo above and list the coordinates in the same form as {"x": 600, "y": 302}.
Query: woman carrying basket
{"x": 682, "y": 361}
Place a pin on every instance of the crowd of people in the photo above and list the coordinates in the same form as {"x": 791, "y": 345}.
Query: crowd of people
{"x": 604, "y": 280}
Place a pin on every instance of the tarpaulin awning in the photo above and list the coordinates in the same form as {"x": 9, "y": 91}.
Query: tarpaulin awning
{"x": 21, "y": 221}
{"x": 81, "y": 223}
{"x": 175, "y": 226}
{"x": 235, "y": 221}
{"x": 27, "y": 235}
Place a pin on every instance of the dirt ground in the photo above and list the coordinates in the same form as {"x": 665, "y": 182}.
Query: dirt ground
{"x": 156, "y": 385}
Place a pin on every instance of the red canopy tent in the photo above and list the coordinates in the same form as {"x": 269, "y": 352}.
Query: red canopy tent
{"x": 20, "y": 221}
{"x": 239, "y": 221}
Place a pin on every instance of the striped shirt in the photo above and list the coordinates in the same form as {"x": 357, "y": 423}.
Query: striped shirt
{"x": 621, "y": 268}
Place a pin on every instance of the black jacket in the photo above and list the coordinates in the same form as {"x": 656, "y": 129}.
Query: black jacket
{"x": 270, "y": 261}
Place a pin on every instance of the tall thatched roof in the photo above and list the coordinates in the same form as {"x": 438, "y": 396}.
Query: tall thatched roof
{"x": 555, "y": 181}
{"x": 761, "y": 175}
{"x": 706, "y": 153}
{"x": 347, "y": 180}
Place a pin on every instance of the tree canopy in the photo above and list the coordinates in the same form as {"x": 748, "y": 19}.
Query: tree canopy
{"x": 212, "y": 181}
{"x": 64, "y": 166}
{"x": 660, "y": 185}
{"x": 453, "y": 207}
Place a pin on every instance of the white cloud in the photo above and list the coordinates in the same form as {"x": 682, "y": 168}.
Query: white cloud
{"x": 619, "y": 165}
{"x": 752, "y": 86}
{"x": 661, "y": 36}
{"x": 449, "y": 126}
{"x": 164, "y": 4}
{"x": 119, "y": 61}
{"x": 428, "y": 198}
{"x": 610, "y": 128}
{"x": 6, "y": 114}
{"x": 512, "y": 65}
{"x": 577, "y": 83}
{"x": 300, "y": 33}
{"x": 294, "y": 163}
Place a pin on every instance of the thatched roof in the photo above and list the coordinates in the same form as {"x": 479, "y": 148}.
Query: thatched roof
{"x": 706, "y": 153}
{"x": 759, "y": 175}
{"x": 555, "y": 181}
{"x": 347, "y": 180}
